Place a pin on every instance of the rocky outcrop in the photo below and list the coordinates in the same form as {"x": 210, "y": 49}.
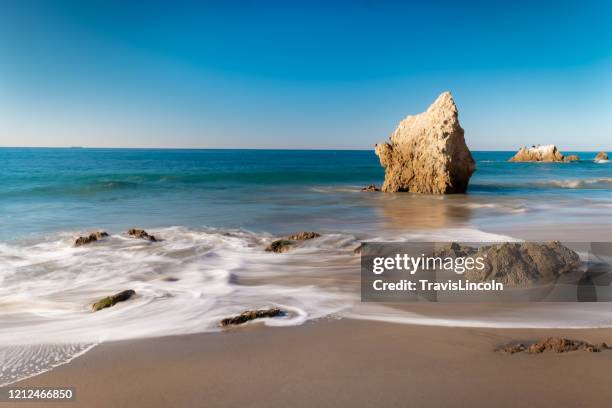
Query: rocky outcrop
{"x": 601, "y": 156}
{"x": 251, "y": 315}
{"x": 303, "y": 236}
{"x": 555, "y": 345}
{"x": 427, "y": 152}
{"x": 141, "y": 234}
{"x": 112, "y": 300}
{"x": 548, "y": 153}
{"x": 516, "y": 264}
{"x": 283, "y": 245}
{"x": 370, "y": 189}
{"x": 94, "y": 236}
{"x": 571, "y": 158}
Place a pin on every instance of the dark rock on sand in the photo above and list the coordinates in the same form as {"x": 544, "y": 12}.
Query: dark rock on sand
{"x": 251, "y": 315}
{"x": 517, "y": 263}
{"x": 142, "y": 234}
{"x": 555, "y": 345}
{"x": 112, "y": 300}
{"x": 571, "y": 158}
{"x": 601, "y": 156}
{"x": 94, "y": 236}
{"x": 283, "y": 245}
{"x": 514, "y": 348}
{"x": 370, "y": 189}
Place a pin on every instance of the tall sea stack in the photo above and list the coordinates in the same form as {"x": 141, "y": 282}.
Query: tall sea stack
{"x": 427, "y": 152}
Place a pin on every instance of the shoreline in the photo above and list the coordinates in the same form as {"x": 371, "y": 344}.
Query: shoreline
{"x": 336, "y": 363}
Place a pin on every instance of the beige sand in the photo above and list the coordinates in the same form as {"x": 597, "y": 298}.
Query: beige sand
{"x": 337, "y": 363}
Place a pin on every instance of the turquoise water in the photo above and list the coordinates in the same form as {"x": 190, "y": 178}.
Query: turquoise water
{"x": 48, "y": 190}
{"x": 216, "y": 211}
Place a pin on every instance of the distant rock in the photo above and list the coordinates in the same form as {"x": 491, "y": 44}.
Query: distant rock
{"x": 141, "y": 234}
{"x": 427, "y": 152}
{"x": 283, "y": 245}
{"x": 251, "y": 315}
{"x": 601, "y": 156}
{"x": 94, "y": 236}
{"x": 555, "y": 345}
{"x": 370, "y": 189}
{"x": 548, "y": 153}
{"x": 112, "y": 300}
{"x": 357, "y": 250}
{"x": 516, "y": 264}
{"x": 571, "y": 158}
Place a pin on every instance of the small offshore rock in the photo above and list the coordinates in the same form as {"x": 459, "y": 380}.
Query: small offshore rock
{"x": 279, "y": 246}
{"x": 303, "y": 236}
{"x": 94, "y": 236}
{"x": 142, "y": 234}
{"x": 547, "y": 153}
{"x": 370, "y": 189}
{"x": 112, "y": 300}
{"x": 601, "y": 156}
{"x": 571, "y": 158}
{"x": 251, "y": 315}
{"x": 357, "y": 250}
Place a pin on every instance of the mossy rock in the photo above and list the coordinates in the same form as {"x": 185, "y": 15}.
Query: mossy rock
{"x": 280, "y": 245}
{"x": 251, "y": 315}
{"x": 112, "y": 300}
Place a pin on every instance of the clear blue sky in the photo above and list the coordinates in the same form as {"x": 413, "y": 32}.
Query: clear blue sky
{"x": 309, "y": 75}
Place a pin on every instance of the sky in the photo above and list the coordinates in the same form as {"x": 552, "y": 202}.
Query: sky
{"x": 328, "y": 75}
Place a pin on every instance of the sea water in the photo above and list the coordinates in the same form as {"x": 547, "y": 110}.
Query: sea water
{"x": 215, "y": 211}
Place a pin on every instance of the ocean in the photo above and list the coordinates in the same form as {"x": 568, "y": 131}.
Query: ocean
{"x": 46, "y": 191}
{"x": 215, "y": 211}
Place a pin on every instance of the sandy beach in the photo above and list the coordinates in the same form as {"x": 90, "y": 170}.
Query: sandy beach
{"x": 336, "y": 363}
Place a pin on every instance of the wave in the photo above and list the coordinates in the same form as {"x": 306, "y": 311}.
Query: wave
{"x": 184, "y": 284}
{"x": 600, "y": 183}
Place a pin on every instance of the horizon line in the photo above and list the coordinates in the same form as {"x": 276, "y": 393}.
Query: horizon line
{"x": 244, "y": 148}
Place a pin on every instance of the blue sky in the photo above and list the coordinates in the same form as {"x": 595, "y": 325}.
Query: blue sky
{"x": 302, "y": 75}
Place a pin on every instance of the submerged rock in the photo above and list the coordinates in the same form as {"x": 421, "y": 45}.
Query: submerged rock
{"x": 601, "y": 156}
{"x": 112, "y": 300}
{"x": 516, "y": 264}
{"x": 571, "y": 158}
{"x": 94, "y": 236}
{"x": 548, "y": 153}
{"x": 427, "y": 152}
{"x": 370, "y": 189}
{"x": 303, "y": 236}
{"x": 555, "y": 345}
{"x": 251, "y": 315}
{"x": 142, "y": 234}
{"x": 280, "y": 245}
{"x": 283, "y": 245}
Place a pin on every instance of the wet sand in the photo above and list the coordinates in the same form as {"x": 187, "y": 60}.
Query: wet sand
{"x": 336, "y": 363}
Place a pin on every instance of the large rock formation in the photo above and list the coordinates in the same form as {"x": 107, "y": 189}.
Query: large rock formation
{"x": 601, "y": 156}
{"x": 516, "y": 264}
{"x": 548, "y": 153}
{"x": 427, "y": 152}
